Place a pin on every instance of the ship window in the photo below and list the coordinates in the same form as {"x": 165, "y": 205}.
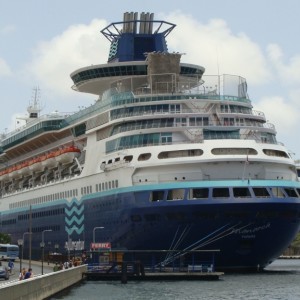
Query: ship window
{"x": 128, "y": 158}
{"x": 166, "y": 139}
{"x": 277, "y": 192}
{"x": 102, "y": 186}
{"x": 291, "y": 192}
{"x": 157, "y": 195}
{"x": 220, "y": 193}
{"x": 180, "y": 153}
{"x": 278, "y": 153}
{"x": 261, "y": 192}
{"x": 109, "y": 184}
{"x": 177, "y": 194}
{"x": 201, "y": 193}
{"x": 234, "y": 151}
{"x": 241, "y": 192}
{"x": 113, "y": 184}
{"x": 117, "y": 183}
{"x": 144, "y": 156}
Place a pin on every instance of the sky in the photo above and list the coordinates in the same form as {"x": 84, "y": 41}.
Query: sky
{"x": 43, "y": 41}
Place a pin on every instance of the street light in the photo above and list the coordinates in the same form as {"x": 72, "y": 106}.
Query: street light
{"x": 20, "y": 243}
{"x": 42, "y": 244}
{"x": 69, "y": 244}
{"x": 24, "y": 241}
{"x": 74, "y": 247}
{"x": 95, "y": 228}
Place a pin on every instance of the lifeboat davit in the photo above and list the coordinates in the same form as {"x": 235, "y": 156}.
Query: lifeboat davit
{"x": 35, "y": 164}
{"x": 49, "y": 160}
{"x": 67, "y": 155}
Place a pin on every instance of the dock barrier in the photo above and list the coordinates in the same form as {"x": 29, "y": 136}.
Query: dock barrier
{"x": 43, "y": 286}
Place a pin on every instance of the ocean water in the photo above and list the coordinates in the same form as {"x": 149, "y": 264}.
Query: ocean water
{"x": 281, "y": 280}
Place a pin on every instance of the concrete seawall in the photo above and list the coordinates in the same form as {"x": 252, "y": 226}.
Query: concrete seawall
{"x": 43, "y": 286}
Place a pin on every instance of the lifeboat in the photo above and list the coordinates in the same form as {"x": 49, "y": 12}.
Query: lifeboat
{"x": 67, "y": 155}
{"x": 35, "y": 164}
{"x": 49, "y": 161}
{"x": 12, "y": 172}
{"x": 4, "y": 175}
{"x": 24, "y": 168}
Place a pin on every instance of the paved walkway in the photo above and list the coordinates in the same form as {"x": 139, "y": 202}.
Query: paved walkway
{"x": 35, "y": 265}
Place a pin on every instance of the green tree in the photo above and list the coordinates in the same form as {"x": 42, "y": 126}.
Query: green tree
{"x": 4, "y": 238}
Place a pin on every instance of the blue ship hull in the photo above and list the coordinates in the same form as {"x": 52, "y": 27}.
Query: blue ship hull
{"x": 247, "y": 233}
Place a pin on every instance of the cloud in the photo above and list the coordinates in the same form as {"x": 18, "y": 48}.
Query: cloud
{"x": 78, "y": 46}
{"x": 288, "y": 73}
{"x": 8, "y": 29}
{"x": 278, "y": 109}
{"x": 218, "y": 49}
{"x": 4, "y": 68}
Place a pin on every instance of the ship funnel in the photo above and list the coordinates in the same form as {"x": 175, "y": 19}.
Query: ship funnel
{"x": 135, "y": 36}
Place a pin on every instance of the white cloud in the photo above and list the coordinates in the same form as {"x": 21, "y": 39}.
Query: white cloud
{"x": 279, "y": 111}
{"x": 78, "y": 46}
{"x": 8, "y": 29}
{"x": 4, "y": 68}
{"x": 214, "y": 46}
{"x": 288, "y": 73}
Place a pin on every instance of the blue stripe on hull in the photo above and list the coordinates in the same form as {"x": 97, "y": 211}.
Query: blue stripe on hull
{"x": 249, "y": 232}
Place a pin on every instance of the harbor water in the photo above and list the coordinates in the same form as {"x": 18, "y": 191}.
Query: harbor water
{"x": 280, "y": 281}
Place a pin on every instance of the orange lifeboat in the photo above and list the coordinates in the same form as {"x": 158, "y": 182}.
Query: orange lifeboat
{"x": 24, "y": 168}
{"x": 35, "y": 164}
{"x": 4, "y": 175}
{"x": 50, "y": 160}
{"x": 12, "y": 172}
{"x": 67, "y": 155}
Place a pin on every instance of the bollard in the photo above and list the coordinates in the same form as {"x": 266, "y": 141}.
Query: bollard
{"x": 124, "y": 273}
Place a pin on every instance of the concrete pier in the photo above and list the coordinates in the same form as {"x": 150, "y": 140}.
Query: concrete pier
{"x": 43, "y": 286}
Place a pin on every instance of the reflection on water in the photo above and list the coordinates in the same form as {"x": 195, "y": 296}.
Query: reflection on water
{"x": 280, "y": 281}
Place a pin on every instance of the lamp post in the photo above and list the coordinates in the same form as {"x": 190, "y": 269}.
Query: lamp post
{"x": 23, "y": 242}
{"x": 20, "y": 244}
{"x": 69, "y": 242}
{"x": 42, "y": 244}
{"x": 74, "y": 247}
{"x": 95, "y": 228}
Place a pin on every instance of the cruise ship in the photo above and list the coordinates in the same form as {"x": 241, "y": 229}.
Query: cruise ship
{"x": 167, "y": 158}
